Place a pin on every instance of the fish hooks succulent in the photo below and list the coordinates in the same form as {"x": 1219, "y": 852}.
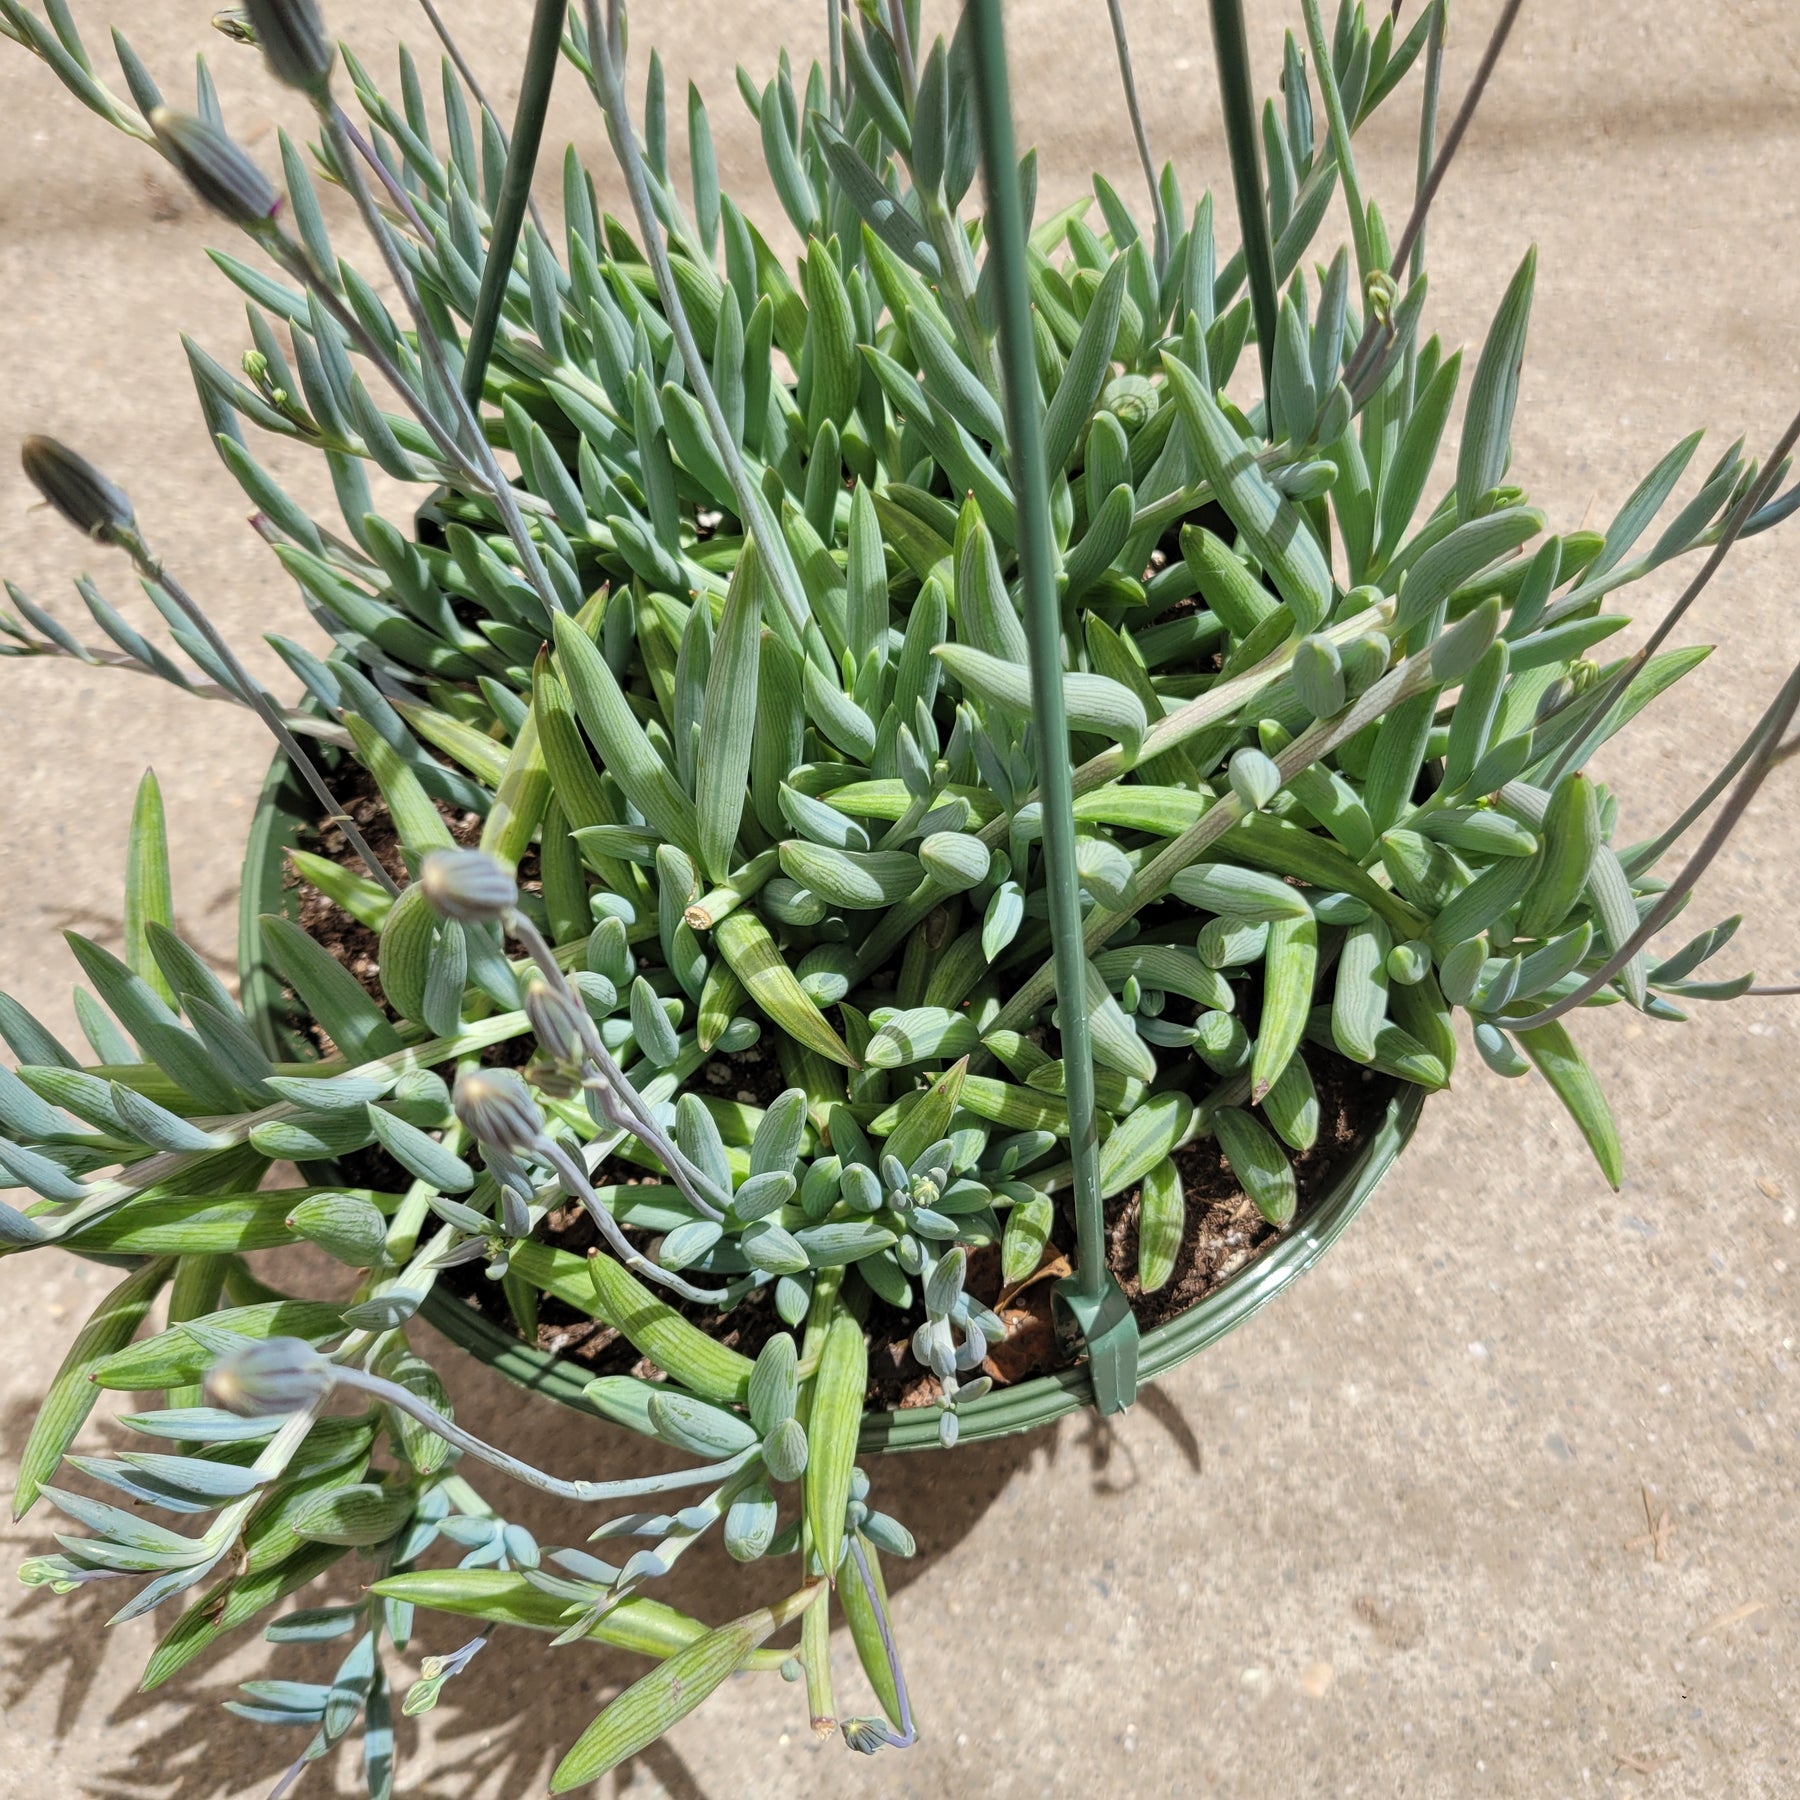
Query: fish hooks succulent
{"x": 946, "y": 670}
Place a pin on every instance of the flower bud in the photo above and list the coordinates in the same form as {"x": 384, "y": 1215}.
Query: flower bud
{"x": 217, "y": 168}
{"x": 294, "y": 43}
{"x": 865, "y": 1735}
{"x": 234, "y": 23}
{"x": 468, "y": 885}
{"x": 553, "y": 1018}
{"x": 278, "y": 1375}
{"x": 496, "y": 1108}
{"x": 515, "y": 1216}
{"x": 77, "y": 490}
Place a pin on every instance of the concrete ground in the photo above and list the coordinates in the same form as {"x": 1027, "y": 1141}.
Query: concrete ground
{"x": 1392, "y": 1537}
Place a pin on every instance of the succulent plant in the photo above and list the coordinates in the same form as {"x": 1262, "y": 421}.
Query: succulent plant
{"x": 744, "y": 675}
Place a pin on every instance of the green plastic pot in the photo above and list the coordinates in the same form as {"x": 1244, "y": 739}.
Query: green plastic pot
{"x": 280, "y": 810}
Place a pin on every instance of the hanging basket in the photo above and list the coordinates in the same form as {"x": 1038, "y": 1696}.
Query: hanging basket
{"x": 283, "y": 807}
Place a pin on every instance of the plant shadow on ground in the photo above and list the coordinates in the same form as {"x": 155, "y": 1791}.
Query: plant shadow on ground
{"x": 503, "y": 1721}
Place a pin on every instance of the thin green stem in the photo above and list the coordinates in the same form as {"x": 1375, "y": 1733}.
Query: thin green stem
{"x": 834, "y": 50}
{"x": 1671, "y": 900}
{"x": 96, "y": 656}
{"x": 1238, "y": 102}
{"x": 256, "y": 697}
{"x": 1428, "y": 118}
{"x": 609, "y": 85}
{"x": 575, "y": 1183}
{"x": 392, "y": 1394}
{"x": 1490, "y": 58}
{"x": 491, "y": 477}
{"x": 289, "y": 256}
{"x": 541, "y": 52}
{"x": 462, "y": 425}
{"x": 903, "y": 51}
{"x": 1356, "y": 365}
{"x": 1753, "y": 498}
{"x": 1037, "y": 569}
{"x": 403, "y": 201}
{"x": 1140, "y": 133}
{"x": 453, "y": 50}
{"x": 1638, "y": 859}
{"x": 1340, "y": 142}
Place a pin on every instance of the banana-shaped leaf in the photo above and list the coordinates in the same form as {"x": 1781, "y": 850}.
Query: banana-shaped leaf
{"x": 419, "y": 823}
{"x": 1271, "y": 525}
{"x": 1258, "y": 1162}
{"x": 1027, "y": 1231}
{"x": 1458, "y": 558}
{"x": 700, "y": 1363}
{"x": 1116, "y": 1044}
{"x": 654, "y": 1702}
{"x": 624, "y": 749}
{"x": 837, "y": 1407}
{"x": 883, "y": 212}
{"x": 1141, "y": 1140}
{"x": 520, "y": 798}
{"x": 1083, "y": 376}
{"x": 986, "y": 614}
{"x": 355, "y": 1516}
{"x": 866, "y": 1616}
{"x": 1487, "y": 428}
{"x": 1290, "y": 963}
{"x": 1360, "y": 999}
{"x": 859, "y": 880}
{"x": 1162, "y": 1223}
{"x": 1166, "y": 968}
{"x": 921, "y": 1034}
{"x": 406, "y": 940}
{"x": 1292, "y": 1105}
{"x": 72, "y": 1393}
{"x": 1230, "y": 591}
{"x": 333, "y": 996}
{"x": 1571, "y": 839}
{"x": 148, "y": 898}
{"x": 1553, "y": 1051}
{"x": 1094, "y": 703}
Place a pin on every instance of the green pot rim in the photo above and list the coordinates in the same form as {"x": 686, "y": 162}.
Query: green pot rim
{"x": 282, "y": 805}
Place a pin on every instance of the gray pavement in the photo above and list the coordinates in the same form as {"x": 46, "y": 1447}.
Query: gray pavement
{"x": 1392, "y": 1537}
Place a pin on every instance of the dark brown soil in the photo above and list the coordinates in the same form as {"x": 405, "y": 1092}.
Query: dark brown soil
{"x": 1224, "y": 1232}
{"x": 349, "y": 940}
{"x": 1224, "y": 1229}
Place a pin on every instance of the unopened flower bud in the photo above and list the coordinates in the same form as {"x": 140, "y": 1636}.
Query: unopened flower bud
{"x": 468, "y": 885}
{"x": 77, "y": 490}
{"x": 234, "y": 23}
{"x": 277, "y": 1375}
{"x": 865, "y": 1735}
{"x": 515, "y": 1216}
{"x": 496, "y": 1108}
{"x": 217, "y": 168}
{"x": 554, "y": 1018}
{"x": 294, "y": 43}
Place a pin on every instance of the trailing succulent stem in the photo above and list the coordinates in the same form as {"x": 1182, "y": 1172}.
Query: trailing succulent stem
{"x": 860, "y": 750}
